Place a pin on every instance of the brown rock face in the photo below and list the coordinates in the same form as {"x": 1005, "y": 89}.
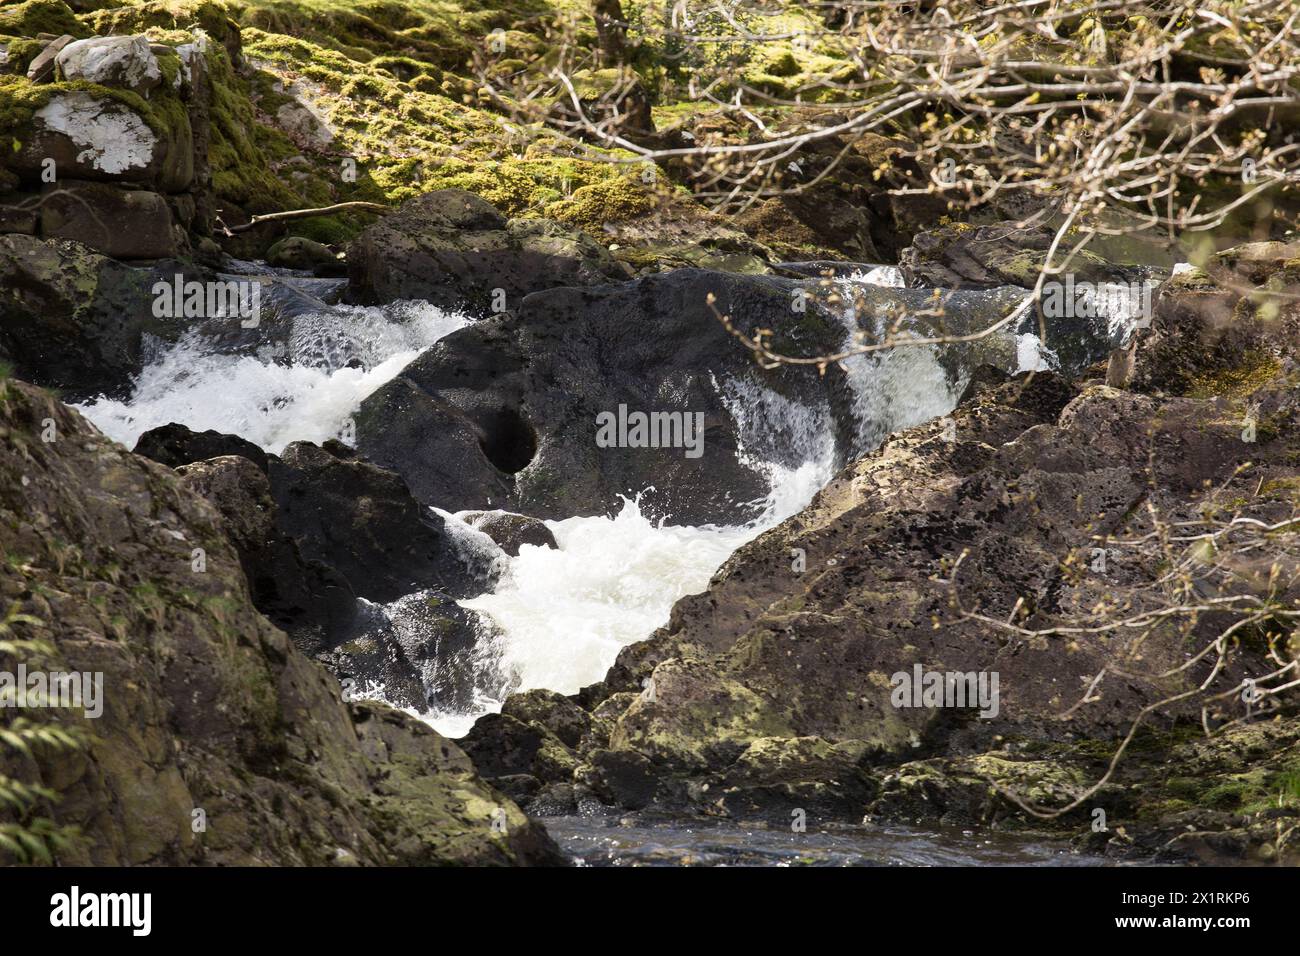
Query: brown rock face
{"x": 1004, "y": 253}
{"x": 1052, "y": 536}
{"x": 121, "y": 223}
{"x": 849, "y": 212}
{"x": 218, "y": 741}
{"x": 457, "y": 250}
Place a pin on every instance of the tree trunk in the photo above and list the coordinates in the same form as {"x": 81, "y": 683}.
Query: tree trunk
{"x": 611, "y": 31}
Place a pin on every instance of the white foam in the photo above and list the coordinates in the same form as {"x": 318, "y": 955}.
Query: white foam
{"x": 306, "y": 395}
{"x": 564, "y": 614}
{"x": 1032, "y": 355}
{"x": 889, "y": 276}
{"x": 894, "y": 388}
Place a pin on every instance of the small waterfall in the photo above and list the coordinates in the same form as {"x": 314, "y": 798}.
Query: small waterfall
{"x": 302, "y": 389}
{"x": 557, "y": 618}
{"x": 895, "y": 388}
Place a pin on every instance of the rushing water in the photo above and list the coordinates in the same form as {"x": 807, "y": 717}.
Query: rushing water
{"x": 304, "y": 391}
{"x": 558, "y": 617}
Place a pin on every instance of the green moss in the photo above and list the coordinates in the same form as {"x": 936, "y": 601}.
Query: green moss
{"x": 166, "y": 15}
{"x": 1192, "y": 280}
{"x": 1225, "y": 796}
{"x": 40, "y": 16}
{"x": 20, "y": 99}
{"x": 242, "y": 150}
{"x": 1253, "y": 370}
{"x": 615, "y": 199}
{"x": 20, "y": 52}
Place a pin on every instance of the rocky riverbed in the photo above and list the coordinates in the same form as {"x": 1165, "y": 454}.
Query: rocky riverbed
{"x": 322, "y": 497}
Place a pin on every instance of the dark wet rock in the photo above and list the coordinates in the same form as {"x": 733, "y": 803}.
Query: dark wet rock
{"x": 295, "y": 252}
{"x": 962, "y": 255}
{"x": 417, "y": 650}
{"x": 433, "y": 643}
{"x": 557, "y": 713}
{"x": 361, "y": 519}
{"x": 207, "y": 705}
{"x": 777, "y": 776}
{"x": 369, "y": 661}
{"x": 76, "y": 320}
{"x": 282, "y": 301}
{"x": 313, "y": 603}
{"x": 175, "y": 445}
{"x": 501, "y": 745}
{"x": 456, "y": 250}
{"x": 522, "y": 788}
{"x": 504, "y": 413}
{"x": 624, "y": 778}
{"x": 121, "y": 223}
{"x": 511, "y": 531}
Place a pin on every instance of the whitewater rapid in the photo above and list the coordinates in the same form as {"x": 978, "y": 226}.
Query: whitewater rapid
{"x": 557, "y": 617}
{"x": 305, "y": 391}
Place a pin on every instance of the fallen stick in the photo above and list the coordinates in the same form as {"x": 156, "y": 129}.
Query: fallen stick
{"x": 307, "y": 213}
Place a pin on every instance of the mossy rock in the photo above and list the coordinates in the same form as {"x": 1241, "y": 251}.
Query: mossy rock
{"x": 41, "y": 16}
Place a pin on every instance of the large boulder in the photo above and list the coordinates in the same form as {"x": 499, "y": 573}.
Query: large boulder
{"x": 344, "y": 529}
{"x": 508, "y": 412}
{"x": 362, "y": 520}
{"x": 120, "y": 223}
{"x": 218, "y": 741}
{"x": 504, "y": 413}
{"x": 93, "y": 136}
{"x": 456, "y": 250}
{"x": 175, "y": 445}
{"x": 308, "y": 600}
